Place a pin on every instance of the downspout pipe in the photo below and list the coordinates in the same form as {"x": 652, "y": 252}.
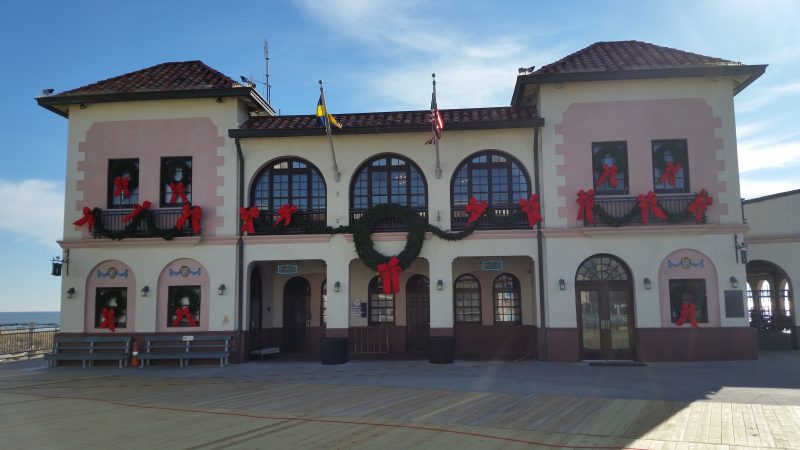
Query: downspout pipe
{"x": 240, "y": 256}
{"x": 540, "y": 253}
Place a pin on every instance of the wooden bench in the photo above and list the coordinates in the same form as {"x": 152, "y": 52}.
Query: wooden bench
{"x": 89, "y": 348}
{"x": 184, "y": 348}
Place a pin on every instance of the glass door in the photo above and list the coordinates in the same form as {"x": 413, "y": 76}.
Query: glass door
{"x": 605, "y": 322}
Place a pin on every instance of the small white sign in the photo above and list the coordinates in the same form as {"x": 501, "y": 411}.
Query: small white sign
{"x": 492, "y": 264}
{"x": 287, "y": 269}
{"x": 187, "y": 338}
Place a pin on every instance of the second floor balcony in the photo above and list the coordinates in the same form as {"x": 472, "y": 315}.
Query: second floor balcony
{"x": 626, "y": 209}
{"x": 496, "y": 217}
{"x": 152, "y": 223}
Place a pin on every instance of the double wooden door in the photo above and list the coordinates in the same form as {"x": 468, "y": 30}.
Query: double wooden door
{"x": 605, "y": 320}
{"x": 418, "y": 315}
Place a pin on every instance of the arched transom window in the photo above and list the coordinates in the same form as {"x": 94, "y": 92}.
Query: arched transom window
{"x": 507, "y": 299}
{"x": 290, "y": 181}
{"x": 602, "y": 268}
{"x": 388, "y": 179}
{"x": 467, "y": 299}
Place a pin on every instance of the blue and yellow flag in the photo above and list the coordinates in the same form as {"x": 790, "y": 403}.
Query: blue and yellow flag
{"x": 324, "y": 116}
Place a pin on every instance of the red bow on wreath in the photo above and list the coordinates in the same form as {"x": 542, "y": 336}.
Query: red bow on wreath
{"x": 87, "y": 218}
{"x": 107, "y": 319}
{"x": 121, "y": 186}
{"x": 390, "y": 275}
{"x": 586, "y": 205}
{"x": 177, "y": 191}
{"x": 532, "y": 209}
{"x": 688, "y": 312}
{"x": 137, "y": 208}
{"x": 475, "y": 209}
{"x": 649, "y": 202}
{"x": 188, "y": 211}
{"x": 248, "y": 216}
{"x": 670, "y": 172}
{"x": 700, "y": 204}
{"x": 285, "y": 214}
{"x": 609, "y": 174}
{"x": 183, "y": 313}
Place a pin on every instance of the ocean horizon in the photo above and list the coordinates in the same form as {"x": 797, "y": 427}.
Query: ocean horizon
{"x": 18, "y": 318}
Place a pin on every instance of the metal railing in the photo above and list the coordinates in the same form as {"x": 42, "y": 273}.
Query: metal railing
{"x": 26, "y": 342}
{"x": 163, "y": 219}
{"x": 617, "y": 207}
{"x": 770, "y": 310}
{"x": 496, "y": 217}
{"x": 387, "y": 224}
{"x": 370, "y": 339}
{"x": 300, "y": 219}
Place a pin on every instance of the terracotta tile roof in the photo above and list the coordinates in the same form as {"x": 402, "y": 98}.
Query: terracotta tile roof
{"x": 628, "y": 55}
{"x": 170, "y": 76}
{"x": 399, "y": 120}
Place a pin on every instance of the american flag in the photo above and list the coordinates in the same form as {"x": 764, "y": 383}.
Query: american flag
{"x": 437, "y": 123}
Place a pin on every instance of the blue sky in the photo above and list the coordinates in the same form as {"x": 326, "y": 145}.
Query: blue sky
{"x": 373, "y": 55}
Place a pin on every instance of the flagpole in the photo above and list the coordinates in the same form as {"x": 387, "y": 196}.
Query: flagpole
{"x": 336, "y": 174}
{"x": 433, "y": 130}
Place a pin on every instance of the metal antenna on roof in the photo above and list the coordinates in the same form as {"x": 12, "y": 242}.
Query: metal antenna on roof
{"x": 267, "y": 87}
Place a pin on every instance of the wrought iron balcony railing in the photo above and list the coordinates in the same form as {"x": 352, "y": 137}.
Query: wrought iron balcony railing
{"x": 618, "y": 207}
{"x": 387, "y": 224}
{"x": 301, "y": 220}
{"x": 149, "y": 225}
{"x": 496, "y": 217}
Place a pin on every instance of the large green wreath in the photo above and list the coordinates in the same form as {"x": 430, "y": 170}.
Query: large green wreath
{"x": 121, "y": 167}
{"x": 678, "y": 155}
{"x": 362, "y": 234}
{"x": 171, "y": 168}
{"x": 614, "y": 150}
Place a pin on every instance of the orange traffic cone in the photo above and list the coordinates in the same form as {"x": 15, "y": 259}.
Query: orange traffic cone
{"x": 135, "y": 354}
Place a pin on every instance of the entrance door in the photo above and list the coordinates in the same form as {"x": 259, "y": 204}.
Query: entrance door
{"x": 418, "y": 315}
{"x": 255, "y": 309}
{"x": 296, "y": 300}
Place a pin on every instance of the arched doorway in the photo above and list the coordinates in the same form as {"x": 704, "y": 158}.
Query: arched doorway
{"x": 770, "y": 305}
{"x": 418, "y": 316}
{"x": 255, "y": 311}
{"x": 604, "y": 299}
{"x": 296, "y": 300}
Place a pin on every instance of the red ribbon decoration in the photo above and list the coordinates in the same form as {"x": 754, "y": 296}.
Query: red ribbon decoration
{"x": 669, "y": 174}
{"x": 285, "y": 214}
{"x": 188, "y": 211}
{"x": 390, "y": 275}
{"x": 649, "y": 202}
{"x": 688, "y": 312}
{"x": 700, "y": 204}
{"x": 87, "y": 218}
{"x": 121, "y": 186}
{"x": 475, "y": 209}
{"x": 586, "y": 205}
{"x": 609, "y": 174}
{"x": 177, "y": 191}
{"x": 532, "y": 209}
{"x": 107, "y": 319}
{"x": 180, "y": 314}
{"x": 137, "y": 208}
{"x": 248, "y": 216}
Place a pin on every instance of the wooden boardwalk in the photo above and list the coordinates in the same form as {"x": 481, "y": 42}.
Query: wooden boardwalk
{"x": 84, "y": 411}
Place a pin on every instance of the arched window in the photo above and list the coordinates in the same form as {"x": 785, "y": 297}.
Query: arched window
{"x": 290, "y": 181}
{"x": 467, "y": 299}
{"x": 602, "y": 268}
{"x": 494, "y": 177}
{"x": 388, "y": 179}
{"x": 324, "y": 304}
{"x": 381, "y": 306}
{"x": 507, "y": 299}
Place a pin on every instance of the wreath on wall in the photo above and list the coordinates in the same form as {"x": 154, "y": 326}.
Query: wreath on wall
{"x": 613, "y": 151}
{"x": 171, "y": 169}
{"x": 678, "y": 156}
{"x": 125, "y": 168}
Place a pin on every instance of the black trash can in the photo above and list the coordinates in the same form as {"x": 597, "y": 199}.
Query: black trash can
{"x": 442, "y": 349}
{"x": 333, "y": 350}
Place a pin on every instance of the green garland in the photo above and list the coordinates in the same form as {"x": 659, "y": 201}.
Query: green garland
{"x": 603, "y": 215}
{"x": 145, "y": 216}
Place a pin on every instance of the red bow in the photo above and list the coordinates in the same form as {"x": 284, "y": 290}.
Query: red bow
{"x": 193, "y": 212}
{"x": 137, "y": 208}
{"x": 586, "y": 205}
{"x": 390, "y": 275}
{"x": 248, "y": 216}
{"x": 700, "y": 204}
{"x": 609, "y": 174}
{"x": 285, "y": 214}
{"x": 475, "y": 209}
{"x": 688, "y": 312}
{"x": 532, "y": 209}
{"x": 107, "y": 319}
{"x": 669, "y": 174}
{"x": 121, "y": 187}
{"x": 177, "y": 191}
{"x": 183, "y": 313}
{"x": 87, "y": 218}
{"x": 650, "y": 202}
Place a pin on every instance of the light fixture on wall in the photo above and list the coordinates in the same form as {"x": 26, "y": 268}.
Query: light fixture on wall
{"x": 740, "y": 249}
{"x": 337, "y": 287}
{"x": 439, "y": 285}
{"x": 58, "y": 262}
{"x": 145, "y": 291}
{"x": 70, "y": 292}
{"x": 734, "y": 282}
{"x": 648, "y": 284}
{"x": 221, "y": 289}
{"x": 562, "y": 284}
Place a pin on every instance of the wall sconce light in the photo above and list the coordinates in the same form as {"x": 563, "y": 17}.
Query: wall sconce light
{"x": 70, "y": 292}
{"x": 337, "y": 287}
{"x": 740, "y": 249}
{"x": 562, "y": 284}
{"x": 58, "y": 262}
{"x": 734, "y": 282}
{"x": 439, "y": 285}
{"x": 648, "y": 284}
{"x": 221, "y": 289}
{"x": 145, "y": 291}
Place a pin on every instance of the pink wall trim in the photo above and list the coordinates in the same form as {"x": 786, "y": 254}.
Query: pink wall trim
{"x": 707, "y": 272}
{"x": 638, "y": 123}
{"x": 165, "y": 280}
{"x": 149, "y": 140}
{"x": 124, "y": 278}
